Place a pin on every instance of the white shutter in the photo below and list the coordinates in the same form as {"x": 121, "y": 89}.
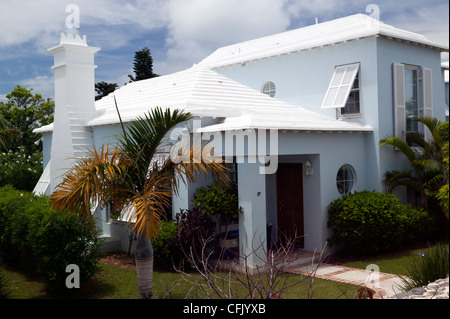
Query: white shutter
{"x": 399, "y": 101}
{"x": 340, "y": 86}
{"x": 427, "y": 89}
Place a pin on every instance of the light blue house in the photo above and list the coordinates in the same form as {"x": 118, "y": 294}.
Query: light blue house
{"x": 300, "y": 113}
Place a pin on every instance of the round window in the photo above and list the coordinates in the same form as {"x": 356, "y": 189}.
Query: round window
{"x": 346, "y": 179}
{"x": 269, "y": 88}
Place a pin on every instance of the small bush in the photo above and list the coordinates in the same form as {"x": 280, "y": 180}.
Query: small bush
{"x": 366, "y": 223}
{"x": 165, "y": 250}
{"x": 193, "y": 228}
{"x": 41, "y": 240}
{"x": 428, "y": 267}
{"x": 66, "y": 239}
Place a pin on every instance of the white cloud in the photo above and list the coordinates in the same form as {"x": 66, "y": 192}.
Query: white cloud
{"x": 193, "y": 28}
{"x": 42, "y": 84}
{"x": 197, "y": 27}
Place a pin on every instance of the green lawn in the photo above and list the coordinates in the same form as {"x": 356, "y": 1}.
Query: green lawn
{"x": 114, "y": 282}
{"x": 392, "y": 263}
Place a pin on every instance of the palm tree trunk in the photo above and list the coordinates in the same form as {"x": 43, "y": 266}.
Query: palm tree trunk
{"x": 144, "y": 267}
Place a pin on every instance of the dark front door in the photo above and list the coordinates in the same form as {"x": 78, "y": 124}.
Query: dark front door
{"x": 290, "y": 203}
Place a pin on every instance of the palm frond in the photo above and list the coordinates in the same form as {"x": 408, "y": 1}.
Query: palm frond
{"x": 145, "y": 135}
{"x": 148, "y": 206}
{"x": 394, "y": 179}
{"x": 398, "y": 143}
{"x": 92, "y": 179}
{"x": 197, "y": 161}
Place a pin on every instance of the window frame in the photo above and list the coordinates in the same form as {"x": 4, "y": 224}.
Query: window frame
{"x": 271, "y": 91}
{"x": 340, "y": 86}
{"x": 345, "y": 180}
{"x": 419, "y": 106}
{"x": 354, "y": 114}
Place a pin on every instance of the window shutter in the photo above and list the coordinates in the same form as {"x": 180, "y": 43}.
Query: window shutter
{"x": 427, "y": 89}
{"x": 340, "y": 86}
{"x": 399, "y": 101}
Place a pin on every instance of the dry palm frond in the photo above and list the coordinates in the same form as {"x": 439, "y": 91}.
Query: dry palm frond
{"x": 147, "y": 206}
{"x": 93, "y": 179}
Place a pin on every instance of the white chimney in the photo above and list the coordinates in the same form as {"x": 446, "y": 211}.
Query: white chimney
{"x": 74, "y": 103}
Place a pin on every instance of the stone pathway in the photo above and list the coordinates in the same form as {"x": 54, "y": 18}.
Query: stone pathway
{"x": 384, "y": 285}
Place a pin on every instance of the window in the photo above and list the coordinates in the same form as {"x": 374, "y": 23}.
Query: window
{"x": 269, "y": 88}
{"x": 346, "y": 179}
{"x": 341, "y": 84}
{"x": 352, "y": 107}
{"x": 413, "y": 98}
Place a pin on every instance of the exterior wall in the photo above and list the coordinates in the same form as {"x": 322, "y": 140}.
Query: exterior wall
{"x": 302, "y": 78}
{"x": 389, "y": 52}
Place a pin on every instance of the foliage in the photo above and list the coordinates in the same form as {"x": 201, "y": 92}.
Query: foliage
{"x": 425, "y": 174}
{"x": 427, "y": 267}
{"x": 6, "y": 132}
{"x": 44, "y": 241}
{"x": 164, "y": 246}
{"x": 26, "y": 111}
{"x": 366, "y": 223}
{"x": 443, "y": 193}
{"x": 143, "y": 65}
{"x": 103, "y": 89}
{"x": 193, "y": 227}
{"x": 219, "y": 201}
{"x": 19, "y": 169}
{"x": 130, "y": 177}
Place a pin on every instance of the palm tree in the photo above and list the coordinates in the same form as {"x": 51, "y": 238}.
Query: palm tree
{"x": 135, "y": 182}
{"x": 425, "y": 174}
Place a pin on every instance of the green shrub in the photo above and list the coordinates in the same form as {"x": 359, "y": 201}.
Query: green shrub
{"x": 66, "y": 239}
{"x": 367, "y": 223}
{"x": 220, "y": 201}
{"x": 194, "y": 229}
{"x": 428, "y": 267}
{"x": 165, "y": 251}
{"x": 41, "y": 240}
{"x": 20, "y": 169}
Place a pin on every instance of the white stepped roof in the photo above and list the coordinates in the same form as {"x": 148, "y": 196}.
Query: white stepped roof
{"x": 206, "y": 93}
{"x": 344, "y": 29}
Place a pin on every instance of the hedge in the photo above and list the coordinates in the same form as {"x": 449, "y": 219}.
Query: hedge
{"x": 39, "y": 239}
{"x": 366, "y": 223}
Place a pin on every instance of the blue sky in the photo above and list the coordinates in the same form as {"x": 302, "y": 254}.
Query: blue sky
{"x": 179, "y": 33}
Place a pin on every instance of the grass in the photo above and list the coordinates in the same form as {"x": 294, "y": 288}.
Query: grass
{"x": 114, "y": 282}
{"x": 392, "y": 263}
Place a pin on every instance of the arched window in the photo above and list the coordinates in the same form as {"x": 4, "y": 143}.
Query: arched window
{"x": 269, "y": 88}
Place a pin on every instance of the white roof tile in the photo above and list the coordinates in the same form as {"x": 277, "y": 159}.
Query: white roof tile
{"x": 204, "y": 92}
{"x": 335, "y": 31}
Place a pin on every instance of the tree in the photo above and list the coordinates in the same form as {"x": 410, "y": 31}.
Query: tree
{"x": 5, "y": 132}
{"x": 25, "y": 112}
{"x": 143, "y": 65}
{"x": 426, "y": 172}
{"x": 132, "y": 180}
{"x": 103, "y": 89}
